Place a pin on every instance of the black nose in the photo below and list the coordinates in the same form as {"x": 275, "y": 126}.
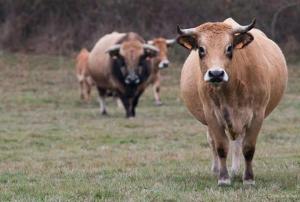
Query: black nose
{"x": 216, "y": 75}
{"x": 165, "y": 65}
{"x": 132, "y": 79}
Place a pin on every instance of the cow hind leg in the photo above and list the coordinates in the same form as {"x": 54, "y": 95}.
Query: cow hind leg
{"x": 81, "y": 88}
{"x": 101, "y": 99}
{"x": 215, "y": 162}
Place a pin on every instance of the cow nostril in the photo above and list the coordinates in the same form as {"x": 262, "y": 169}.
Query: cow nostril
{"x": 216, "y": 73}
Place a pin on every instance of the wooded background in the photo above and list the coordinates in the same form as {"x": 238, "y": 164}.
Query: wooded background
{"x": 65, "y": 26}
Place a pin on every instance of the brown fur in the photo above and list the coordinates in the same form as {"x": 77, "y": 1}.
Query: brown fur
{"x": 83, "y": 74}
{"x": 236, "y": 109}
{"x": 155, "y": 80}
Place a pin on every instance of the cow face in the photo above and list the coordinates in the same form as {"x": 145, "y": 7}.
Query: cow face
{"x": 215, "y": 44}
{"x": 162, "y": 44}
{"x": 130, "y": 61}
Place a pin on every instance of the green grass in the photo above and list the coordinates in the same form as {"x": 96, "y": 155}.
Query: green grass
{"x": 55, "y": 148}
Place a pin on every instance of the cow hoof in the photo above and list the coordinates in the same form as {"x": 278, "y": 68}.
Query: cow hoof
{"x": 215, "y": 170}
{"x": 234, "y": 173}
{"x": 104, "y": 113}
{"x": 224, "y": 182}
{"x": 249, "y": 182}
{"x": 158, "y": 103}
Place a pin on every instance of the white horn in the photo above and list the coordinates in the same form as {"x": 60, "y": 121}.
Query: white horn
{"x": 113, "y": 48}
{"x": 150, "y": 42}
{"x": 189, "y": 31}
{"x": 170, "y": 41}
{"x": 150, "y": 47}
{"x": 244, "y": 29}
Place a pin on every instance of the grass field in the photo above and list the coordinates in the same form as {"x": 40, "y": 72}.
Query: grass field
{"x": 55, "y": 148}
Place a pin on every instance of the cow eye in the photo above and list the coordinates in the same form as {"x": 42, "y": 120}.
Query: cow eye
{"x": 201, "y": 51}
{"x": 229, "y": 50}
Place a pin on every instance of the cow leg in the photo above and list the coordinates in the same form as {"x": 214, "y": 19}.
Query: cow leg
{"x": 249, "y": 143}
{"x": 81, "y": 85}
{"x": 88, "y": 91}
{"x": 101, "y": 99}
{"x": 135, "y": 103}
{"x": 236, "y": 156}
{"x": 221, "y": 143}
{"x": 85, "y": 90}
{"x": 127, "y": 105}
{"x": 215, "y": 162}
{"x": 156, "y": 90}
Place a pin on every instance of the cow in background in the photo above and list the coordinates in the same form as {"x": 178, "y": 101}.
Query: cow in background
{"x": 83, "y": 76}
{"x": 121, "y": 63}
{"x": 161, "y": 61}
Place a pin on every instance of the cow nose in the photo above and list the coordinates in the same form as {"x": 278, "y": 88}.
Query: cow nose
{"x": 163, "y": 64}
{"x": 132, "y": 78}
{"x": 216, "y": 75}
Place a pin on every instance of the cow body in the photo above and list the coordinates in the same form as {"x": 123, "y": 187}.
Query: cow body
{"x": 83, "y": 75}
{"x": 234, "y": 110}
{"x": 121, "y": 63}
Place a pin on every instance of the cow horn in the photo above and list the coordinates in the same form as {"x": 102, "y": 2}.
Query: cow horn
{"x": 170, "y": 41}
{"x": 244, "y": 29}
{"x": 113, "y": 48}
{"x": 150, "y": 47}
{"x": 150, "y": 42}
{"x": 189, "y": 31}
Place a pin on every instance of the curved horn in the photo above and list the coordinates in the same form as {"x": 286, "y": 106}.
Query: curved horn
{"x": 189, "y": 31}
{"x": 170, "y": 41}
{"x": 113, "y": 48}
{"x": 150, "y": 42}
{"x": 244, "y": 29}
{"x": 150, "y": 47}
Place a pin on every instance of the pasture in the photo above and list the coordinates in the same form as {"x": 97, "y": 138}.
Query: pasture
{"x": 53, "y": 147}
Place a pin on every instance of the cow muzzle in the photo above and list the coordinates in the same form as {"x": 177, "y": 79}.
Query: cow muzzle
{"x": 216, "y": 75}
{"x": 163, "y": 64}
{"x": 132, "y": 79}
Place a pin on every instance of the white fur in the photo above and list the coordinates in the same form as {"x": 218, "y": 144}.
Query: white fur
{"x": 224, "y": 182}
{"x": 161, "y": 64}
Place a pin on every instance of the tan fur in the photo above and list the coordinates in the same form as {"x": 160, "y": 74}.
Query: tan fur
{"x": 155, "y": 79}
{"x": 83, "y": 75}
{"x": 99, "y": 60}
{"x": 257, "y": 80}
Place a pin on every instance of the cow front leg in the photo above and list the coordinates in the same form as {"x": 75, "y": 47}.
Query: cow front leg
{"x": 249, "y": 143}
{"x": 101, "y": 99}
{"x": 215, "y": 161}
{"x": 221, "y": 144}
{"x": 156, "y": 91}
{"x": 236, "y": 156}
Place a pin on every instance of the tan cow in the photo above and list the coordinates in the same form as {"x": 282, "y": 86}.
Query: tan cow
{"x": 231, "y": 81}
{"x": 161, "y": 61}
{"x": 121, "y": 63}
{"x": 83, "y": 75}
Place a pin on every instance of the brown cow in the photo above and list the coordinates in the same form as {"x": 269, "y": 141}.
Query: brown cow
{"x": 161, "y": 61}
{"x": 121, "y": 63}
{"x": 83, "y": 75}
{"x": 231, "y": 81}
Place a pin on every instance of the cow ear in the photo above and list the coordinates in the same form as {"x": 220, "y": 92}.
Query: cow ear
{"x": 187, "y": 41}
{"x": 114, "y": 51}
{"x": 242, "y": 40}
{"x": 150, "y": 53}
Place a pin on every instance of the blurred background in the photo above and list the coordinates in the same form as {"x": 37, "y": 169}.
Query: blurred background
{"x": 62, "y": 27}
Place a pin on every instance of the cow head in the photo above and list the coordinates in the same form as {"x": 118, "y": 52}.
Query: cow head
{"x": 162, "y": 44}
{"x": 215, "y": 44}
{"x": 130, "y": 60}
